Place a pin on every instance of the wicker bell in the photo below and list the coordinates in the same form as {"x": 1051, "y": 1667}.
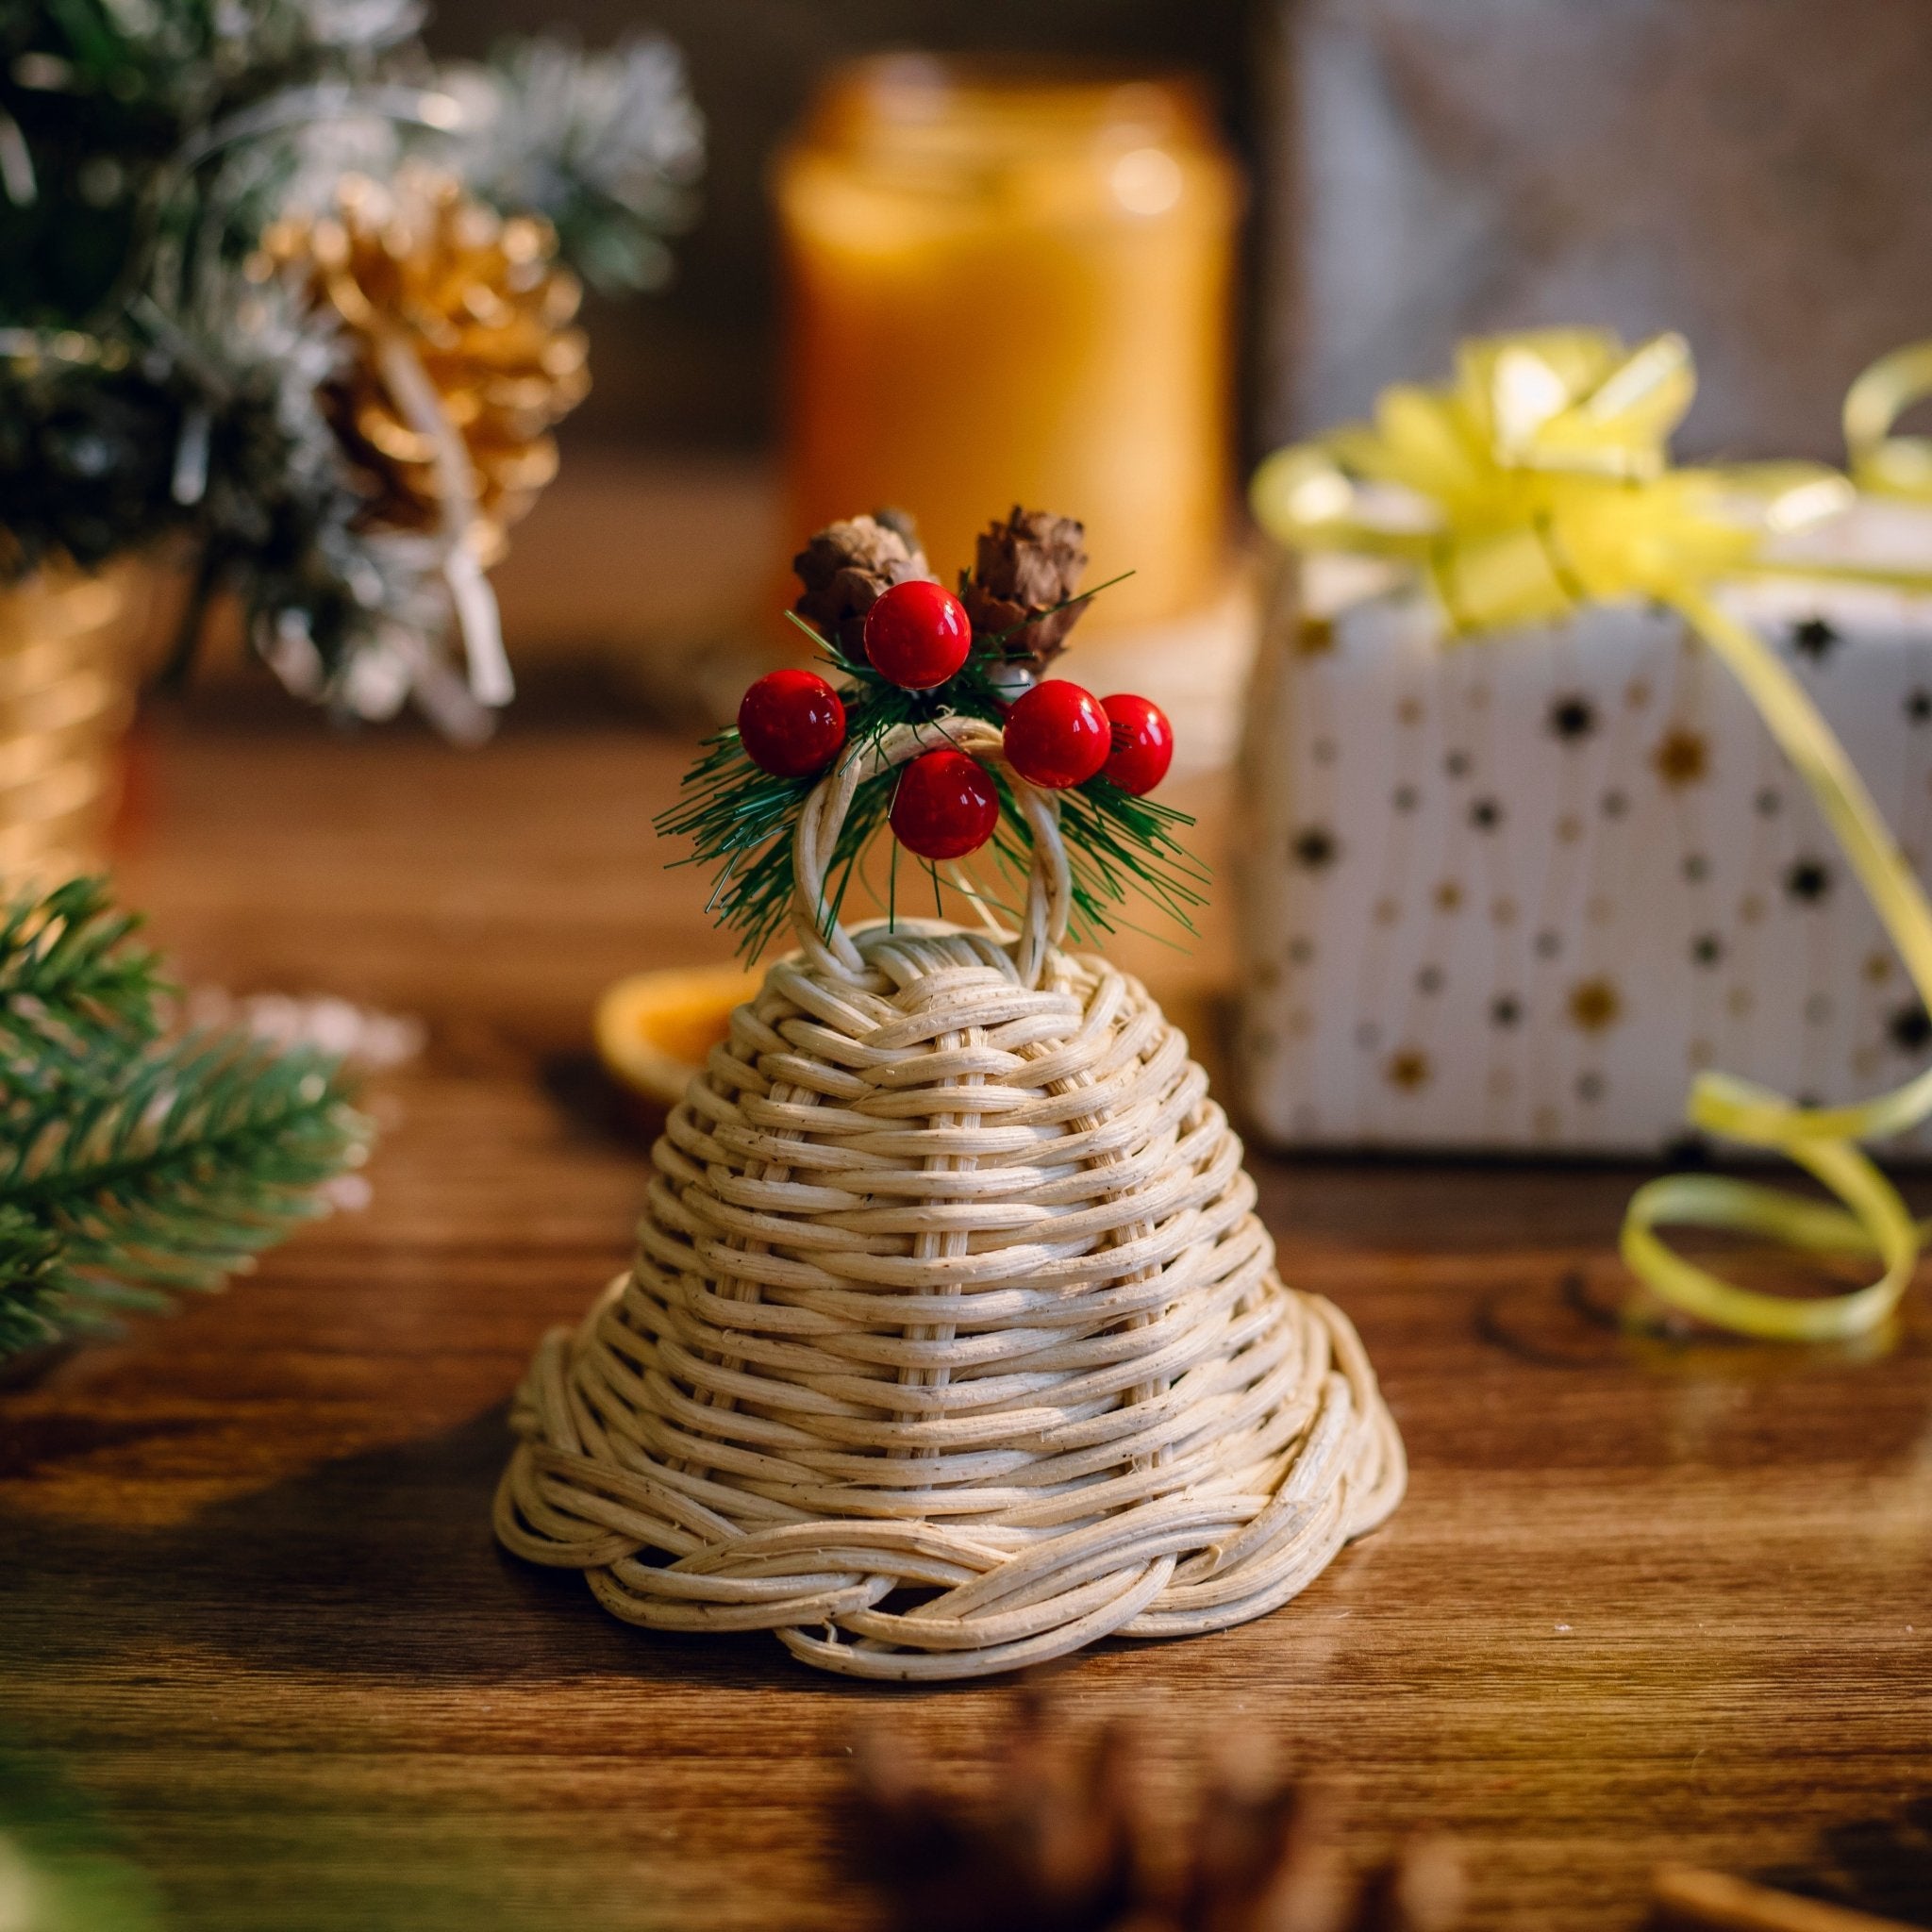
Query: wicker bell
{"x": 952, "y": 1343}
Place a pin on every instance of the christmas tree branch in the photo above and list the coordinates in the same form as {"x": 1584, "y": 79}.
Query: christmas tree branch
{"x": 69, "y": 978}
{"x": 135, "y": 1167}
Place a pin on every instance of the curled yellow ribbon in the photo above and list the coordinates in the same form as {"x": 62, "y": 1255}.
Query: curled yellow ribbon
{"x": 1882, "y": 463}
{"x": 1540, "y": 479}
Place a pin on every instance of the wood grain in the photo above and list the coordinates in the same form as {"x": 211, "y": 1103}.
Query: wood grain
{"x": 1646, "y": 1602}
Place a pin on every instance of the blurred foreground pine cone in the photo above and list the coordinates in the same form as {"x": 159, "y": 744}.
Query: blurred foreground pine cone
{"x": 1069, "y": 1845}
{"x": 1023, "y": 568}
{"x": 846, "y": 566}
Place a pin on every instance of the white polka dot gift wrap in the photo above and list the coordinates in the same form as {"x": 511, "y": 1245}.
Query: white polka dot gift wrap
{"x": 1514, "y": 892}
{"x": 952, "y": 1343}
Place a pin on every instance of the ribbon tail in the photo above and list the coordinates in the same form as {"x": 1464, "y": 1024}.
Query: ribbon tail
{"x": 1871, "y": 1218}
{"x": 481, "y": 624}
{"x": 478, "y": 620}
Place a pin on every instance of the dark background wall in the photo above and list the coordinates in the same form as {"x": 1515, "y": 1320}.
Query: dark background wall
{"x": 1756, "y": 174}
{"x": 1753, "y": 171}
{"x": 695, "y": 364}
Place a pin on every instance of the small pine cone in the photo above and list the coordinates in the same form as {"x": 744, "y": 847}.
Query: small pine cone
{"x": 846, "y": 566}
{"x": 1024, "y": 567}
{"x": 1069, "y": 1847}
{"x": 1422, "y": 1889}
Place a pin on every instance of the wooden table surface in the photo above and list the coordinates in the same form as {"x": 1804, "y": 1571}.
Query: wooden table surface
{"x": 1644, "y": 1599}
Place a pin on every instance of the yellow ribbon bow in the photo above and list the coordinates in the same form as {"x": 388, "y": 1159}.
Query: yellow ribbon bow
{"x": 1540, "y": 479}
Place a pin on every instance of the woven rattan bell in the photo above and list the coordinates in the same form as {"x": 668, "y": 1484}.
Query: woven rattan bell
{"x": 952, "y": 1343}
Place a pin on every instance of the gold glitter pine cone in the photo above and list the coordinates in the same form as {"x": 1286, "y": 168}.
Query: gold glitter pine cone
{"x": 477, "y": 299}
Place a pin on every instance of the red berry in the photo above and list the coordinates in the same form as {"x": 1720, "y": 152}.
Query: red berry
{"x": 1057, "y": 735}
{"x": 793, "y": 724}
{"x": 918, "y": 634}
{"x": 946, "y": 805}
{"x": 1143, "y": 743}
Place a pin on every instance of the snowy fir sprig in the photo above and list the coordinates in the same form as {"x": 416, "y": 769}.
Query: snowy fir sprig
{"x": 151, "y": 394}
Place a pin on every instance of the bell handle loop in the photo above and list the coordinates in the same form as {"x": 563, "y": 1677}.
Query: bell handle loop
{"x": 826, "y": 944}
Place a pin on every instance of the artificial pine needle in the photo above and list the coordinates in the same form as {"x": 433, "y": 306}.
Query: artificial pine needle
{"x": 135, "y": 1167}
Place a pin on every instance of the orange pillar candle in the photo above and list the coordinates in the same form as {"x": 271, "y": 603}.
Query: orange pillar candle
{"x": 1009, "y": 283}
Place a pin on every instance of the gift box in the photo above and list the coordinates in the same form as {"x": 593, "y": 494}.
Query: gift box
{"x": 1520, "y": 843}
{"x": 1514, "y": 891}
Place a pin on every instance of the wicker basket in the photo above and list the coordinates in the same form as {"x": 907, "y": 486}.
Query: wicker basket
{"x": 67, "y": 671}
{"x": 952, "y": 1343}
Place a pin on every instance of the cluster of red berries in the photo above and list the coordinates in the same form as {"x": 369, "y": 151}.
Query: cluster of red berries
{"x": 793, "y": 724}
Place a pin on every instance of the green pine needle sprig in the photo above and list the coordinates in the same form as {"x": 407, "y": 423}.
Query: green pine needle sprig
{"x": 135, "y": 1167}
{"x": 69, "y": 978}
{"x": 742, "y": 820}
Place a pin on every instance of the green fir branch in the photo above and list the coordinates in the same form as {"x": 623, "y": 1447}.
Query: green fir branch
{"x": 135, "y": 1168}
{"x": 32, "y": 1288}
{"x": 69, "y": 978}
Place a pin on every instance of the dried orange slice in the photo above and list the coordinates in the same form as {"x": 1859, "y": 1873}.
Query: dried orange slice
{"x": 655, "y": 1029}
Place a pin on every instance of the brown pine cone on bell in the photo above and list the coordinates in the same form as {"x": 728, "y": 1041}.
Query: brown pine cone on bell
{"x": 846, "y": 566}
{"x": 1025, "y": 570}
